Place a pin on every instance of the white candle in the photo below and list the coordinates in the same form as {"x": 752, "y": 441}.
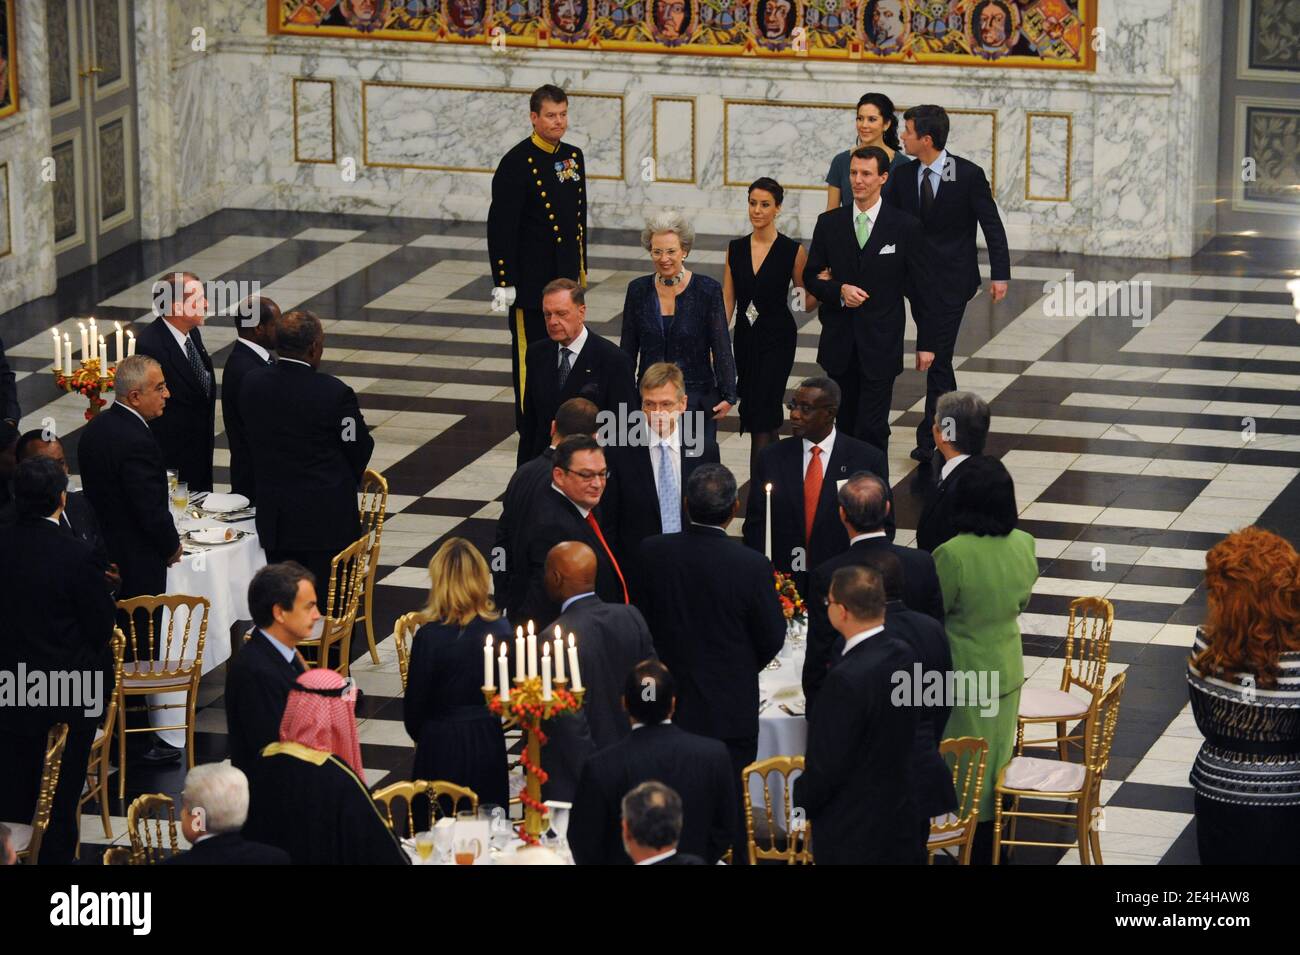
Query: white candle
{"x": 85, "y": 352}
{"x": 519, "y": 653}
{"x": 559, "y": 654}
{"x": 546, "y": 671}
{"x": 58, "y": 350}
{"x": 767, "y": 524}
{"x": 94, "y": 338}
{"x": 67, "y": 354}
{"x": 503, "y": 663}
{"x": 102, "y": 352}
{"x": 487, "y": 663}
{"x": 532, "y": 651}
{"x": 130, "y": 343}
{"x": 574, "y": 672}
{"x": 118, "y": 333}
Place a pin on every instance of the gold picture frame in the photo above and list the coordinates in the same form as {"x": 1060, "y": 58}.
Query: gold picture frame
{"x": 9, "y": 47}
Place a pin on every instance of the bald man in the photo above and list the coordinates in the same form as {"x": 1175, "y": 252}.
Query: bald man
{"x": 611, "y": 638}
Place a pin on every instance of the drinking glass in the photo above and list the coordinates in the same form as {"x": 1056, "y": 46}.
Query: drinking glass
{"x": 443, "y": 831}
{"x": 424, "y": 846}
{"x": 172, "y": 477}
{"x": 467, "y": 850}
{"x": 180, "y": 495}
{"x": 498, "y": 825}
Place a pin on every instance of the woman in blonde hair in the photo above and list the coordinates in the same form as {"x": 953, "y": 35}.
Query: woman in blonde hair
{"x": 1244, "y": 679}
{"x": 456, "y": 737}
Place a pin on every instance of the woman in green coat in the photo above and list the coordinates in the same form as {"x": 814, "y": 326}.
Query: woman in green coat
{"x": 987, "y": 573}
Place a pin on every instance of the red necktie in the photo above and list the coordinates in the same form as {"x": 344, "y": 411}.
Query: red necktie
{"x": 591, "y": 519}
{"x": 812, "y": 491}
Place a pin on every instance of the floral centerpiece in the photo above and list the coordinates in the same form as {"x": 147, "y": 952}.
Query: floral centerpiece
{"x": 89, "y": 382}
{"x": 792, "y": 605}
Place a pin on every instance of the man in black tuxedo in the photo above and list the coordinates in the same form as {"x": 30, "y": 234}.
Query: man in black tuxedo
{"x": 645, "y": 496}
{"x": 252, "y": 350}
{"x": 950, "y": 195}
{"x": 8, "y": 464}
{"x": 78, "y": 516}
{"x": 310, "y": 447}
{"x": 58, "y": 620}
{"x": 863, "y": 507}
{"x": 214, "y": 806}
{"x": 873, "y": 254}
{"x": 575, "y": 416}
{"x": 716, "y": 621}
{"x": 611, "y": 638}
{"x": 961, "y": 427}
{"x": 574, "y": 362}
{"x": 565, "y": 512}
{"x": 282, "y": 600}
{"x": 857, "y": 786}
{"x": 188, "y": 432}
{"x": 806, "y": 471}
{"x": 652, "y": 824}
{"x": 696, "y": 767}
{"x": 125, "y": 479}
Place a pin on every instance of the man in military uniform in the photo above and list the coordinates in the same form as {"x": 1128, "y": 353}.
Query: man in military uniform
{"x": 537, "y": 225}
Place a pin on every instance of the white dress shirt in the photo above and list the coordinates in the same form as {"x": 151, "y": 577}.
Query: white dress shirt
{"x": 857, "y": 638}
{"x": 827, "y": 444}
{"x": 660, "y": 857}
{"x": 286, "y": 652}
{"x": 258, "y": 350}
{"x": 574, "y": 599}
{"x": 180, "y": 336}
{"x": 950, "y": 464}
{"x": 863, "y": 537}
{"x": 937, "y": 167}
{"x": 126, "y": 407}
{"x": 574, "y": 347}
{"x": 871, "y": 214}
{"x": 297, "y": 361}
{"x": 674, "y": 442}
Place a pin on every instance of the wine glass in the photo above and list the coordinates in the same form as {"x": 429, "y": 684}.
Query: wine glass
{"x": 180, "y": 495}
{"x": 498, "y": 826}
{"x": 172, "y": 477}
{"x": 424, "y": 843}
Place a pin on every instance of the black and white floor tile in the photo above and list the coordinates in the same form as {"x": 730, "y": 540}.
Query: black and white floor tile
{"x": 1134, "y": 448}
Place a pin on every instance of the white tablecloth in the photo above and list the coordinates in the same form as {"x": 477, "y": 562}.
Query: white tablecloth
{"x": 779, "y": 733}
{"x": 221, "y": 573}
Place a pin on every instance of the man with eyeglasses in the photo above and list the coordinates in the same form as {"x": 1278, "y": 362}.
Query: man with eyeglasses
{"x": 567, "y": 513}
{"x": 806, "y": 472}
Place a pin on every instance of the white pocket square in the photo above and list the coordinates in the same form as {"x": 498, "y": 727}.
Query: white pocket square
{"x": 887, "y": 250}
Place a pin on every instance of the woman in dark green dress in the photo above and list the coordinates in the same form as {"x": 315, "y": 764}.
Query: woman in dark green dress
{"x": 756, "y": 294}
{"x": 877, "y": 125}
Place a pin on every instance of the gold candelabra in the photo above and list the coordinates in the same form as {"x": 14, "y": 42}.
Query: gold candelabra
{"x": 92, "y": 379}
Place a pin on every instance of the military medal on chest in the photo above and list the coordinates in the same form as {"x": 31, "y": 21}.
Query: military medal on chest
{"x": 566, "y": 170}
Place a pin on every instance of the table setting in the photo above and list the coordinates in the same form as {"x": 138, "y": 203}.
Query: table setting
{"x": 484, "y": 836}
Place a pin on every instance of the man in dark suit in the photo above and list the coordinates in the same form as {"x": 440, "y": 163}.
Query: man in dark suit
{"x": 58, "y": 623}
{"x": 857, "y": 785}
{"x": 611, "y": 638}
{"x": 960, "y": 428}
{"x": 573, "y": 362}
{"x": 715, "y": 618}
{"x": 537, "y": 227}
{"x": 188, "y": 432}
{"x": 565, "y": 512}
{"x": 575, "y": 416}
{"x": 806, "y": 471}
{"x": 125, "y": 479}
{"x": 282, "y": 600}
{"x": 310, "y": 447}
{"x": 697, "y": 768}
{"x": 9, "y": 410}
{"x": 863, "y": 508}
{"x": 8, "y": 463}
{"x": 874, "y": 254}
{"x": 252, "y": 350}
{"x": 645, "y": 496}
{"x": 652, "y": 824}
{"x": 214, "y": 806}
{"x": 950, "y": 195}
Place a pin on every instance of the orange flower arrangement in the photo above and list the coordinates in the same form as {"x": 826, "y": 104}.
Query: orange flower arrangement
{"x": 792, "y": 605}
{"x": 87, "y": 381}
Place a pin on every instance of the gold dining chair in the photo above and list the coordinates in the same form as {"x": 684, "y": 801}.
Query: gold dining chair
{"x": 967, "y": 757}
{"x": 373, "y": 505}
{"x": 395, "y": 799}
{"x": 26, "y": 838}
{"x": 347, "y": 578}
{"x": 403, "y": 637}
{"x": 147, "y": 818}
{"x": 98, "y": 769}
{"x": 1087, "y": 647}
{"x": 787, "y": 842}
{"x": 173, "y": 664}
{"x": 1052, "y": 779}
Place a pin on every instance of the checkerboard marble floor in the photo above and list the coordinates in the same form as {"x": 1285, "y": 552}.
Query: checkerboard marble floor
{"x": 1134, "y": 449}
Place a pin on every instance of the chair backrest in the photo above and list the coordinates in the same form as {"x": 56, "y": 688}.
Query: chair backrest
{"x": 1087, "y": 643}
{"x": 117, "y": 855}
{"x": 347, "y": 571}
{"x": 1099, "y": 731}
{"x": 786, "y": 842}
{"x": 966, "y": 756}
{"x": 174, "y": 652}
{"x": 118, "y": 646}
{"x": 394, "y": 801}
{"x": 440, "y": 789}
{"x": 145, "y": 825}
{"x": 55, "y": 740}
{"x": 372, "y": 505}
{"x": 403, "y": 633}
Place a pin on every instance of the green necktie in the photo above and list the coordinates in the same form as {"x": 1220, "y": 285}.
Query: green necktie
{"x": 862, "y": 226}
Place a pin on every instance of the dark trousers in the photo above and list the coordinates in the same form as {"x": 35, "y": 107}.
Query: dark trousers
{"x": 873, "y": 412}
{"x": 526, "y": 326}
{"x": 1246, "y": 835}
{"x": 317, "y": 561}
{"x": 742, "y": 752}
{"x": 850, "y": 382}
{"x": 941, "y": 378}
{"x": 701, "y": 400}
{"x": 21, "y": 761}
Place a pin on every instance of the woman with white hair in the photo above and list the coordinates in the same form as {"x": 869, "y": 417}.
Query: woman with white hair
{"x": 677, "y": 316}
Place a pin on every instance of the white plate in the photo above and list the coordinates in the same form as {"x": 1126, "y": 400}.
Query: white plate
{"x": 214, "y": 535}
{"x": 221, "y": 503}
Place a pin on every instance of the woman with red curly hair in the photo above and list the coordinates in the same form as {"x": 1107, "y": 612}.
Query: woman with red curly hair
{"x": 1245, "y": 688}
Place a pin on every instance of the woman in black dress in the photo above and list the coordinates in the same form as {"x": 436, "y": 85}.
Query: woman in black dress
{"x": 457, "y": 738}
{"x": 755, "y": 289}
